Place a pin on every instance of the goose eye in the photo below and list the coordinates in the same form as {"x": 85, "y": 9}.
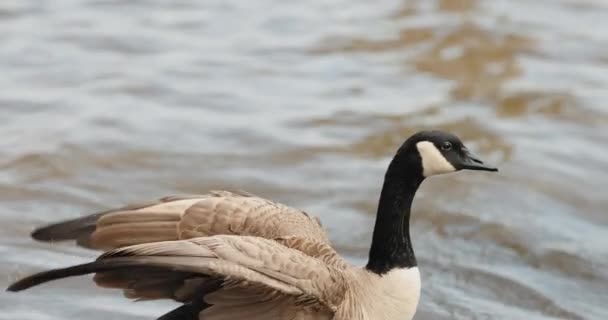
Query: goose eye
{"x": 446, "y": 146}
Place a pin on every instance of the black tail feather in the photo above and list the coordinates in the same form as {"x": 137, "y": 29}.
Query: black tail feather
{"x": 192, "y": 309}
{"x": 187, "y": 311}
{"x": 78, "y": 270}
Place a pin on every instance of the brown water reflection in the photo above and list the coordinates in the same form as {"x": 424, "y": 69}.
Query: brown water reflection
{"x": 477, "y": 60}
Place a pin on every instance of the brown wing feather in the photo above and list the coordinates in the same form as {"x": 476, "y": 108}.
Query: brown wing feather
{"x": 248, "y": 216}
{"x": 184, "y": 217}
{"x": 82, "y": 229}
{"x": 245, "y": 264}
{"x": 241, "y": 275}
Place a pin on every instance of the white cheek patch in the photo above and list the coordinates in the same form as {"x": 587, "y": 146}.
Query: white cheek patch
{"x": 433, "y": 162}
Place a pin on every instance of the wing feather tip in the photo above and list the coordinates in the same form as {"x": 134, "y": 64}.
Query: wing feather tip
{"x": 55, "y": 274}
{"x": 15, "y": 287}
{"x": 41, "y": 234}
{"x": 27, "y": 283}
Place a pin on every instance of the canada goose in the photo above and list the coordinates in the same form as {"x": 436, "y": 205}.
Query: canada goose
{"x": 237, "y": 256}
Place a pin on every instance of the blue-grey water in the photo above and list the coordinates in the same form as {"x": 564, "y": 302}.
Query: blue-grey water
{"x": 107, "y": 102}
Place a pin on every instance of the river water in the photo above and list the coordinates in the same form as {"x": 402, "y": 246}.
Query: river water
{"x": 107, "y": 102}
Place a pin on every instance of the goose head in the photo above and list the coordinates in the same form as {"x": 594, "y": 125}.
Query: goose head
{"x": 425, "y": 154}
{"x": 438, "y": 152}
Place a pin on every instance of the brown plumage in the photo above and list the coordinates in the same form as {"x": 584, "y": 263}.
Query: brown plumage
{"x": 185, "y": 217}
{"x": 214, "y": 247}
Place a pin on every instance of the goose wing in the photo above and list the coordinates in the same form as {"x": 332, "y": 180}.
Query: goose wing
{"x": 185, "y": 217}
{"x": 222, "y": 277}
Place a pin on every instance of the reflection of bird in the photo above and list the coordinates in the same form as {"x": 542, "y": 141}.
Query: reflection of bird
{"x": 237, "y": 256}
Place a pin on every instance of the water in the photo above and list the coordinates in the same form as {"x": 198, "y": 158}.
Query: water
{"x": 108, "y": 102}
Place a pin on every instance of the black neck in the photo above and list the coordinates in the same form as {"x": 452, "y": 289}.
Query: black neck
{"x": 391, "y": 244}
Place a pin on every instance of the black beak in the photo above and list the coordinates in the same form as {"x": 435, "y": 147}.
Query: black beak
{"x": 471, "y": 162}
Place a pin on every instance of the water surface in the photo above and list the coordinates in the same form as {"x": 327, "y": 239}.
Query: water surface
{"x": 107, "y": 102}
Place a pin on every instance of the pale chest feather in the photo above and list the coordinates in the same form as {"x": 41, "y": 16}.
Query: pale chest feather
{"x": 392, "y": 296}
